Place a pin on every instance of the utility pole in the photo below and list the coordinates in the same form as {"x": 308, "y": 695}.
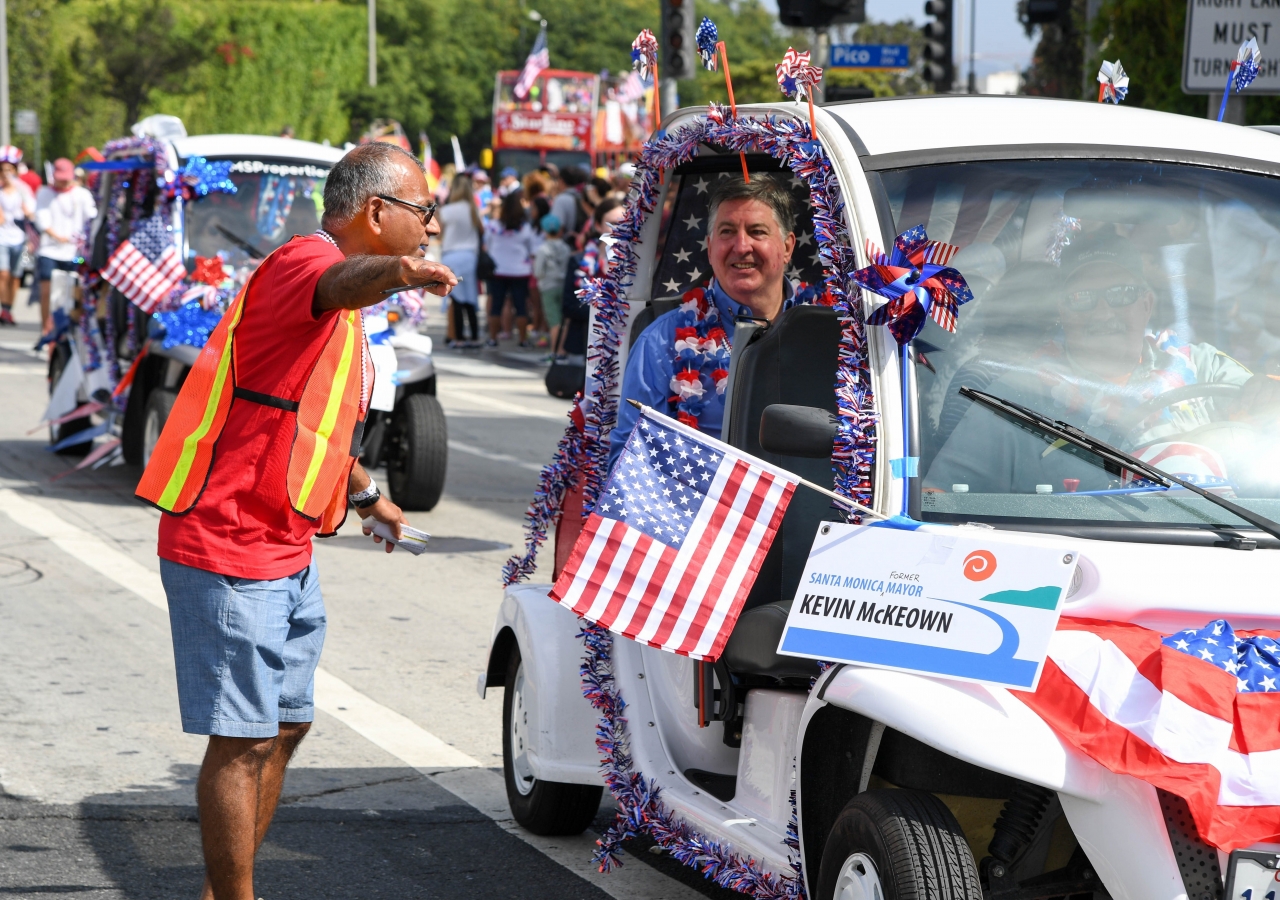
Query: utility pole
{"x": 4, "y": 73}
{"x": 973, "y": 42}
{"x": 821, "y": 58}
{"x": 373, "y": 42}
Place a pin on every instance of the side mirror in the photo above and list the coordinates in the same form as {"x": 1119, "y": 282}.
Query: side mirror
{"x": 804, "y": 431}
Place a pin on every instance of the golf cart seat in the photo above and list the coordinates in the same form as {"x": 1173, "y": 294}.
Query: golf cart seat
{"x": 793, "y": 361}
{"x": 654, "y": 308}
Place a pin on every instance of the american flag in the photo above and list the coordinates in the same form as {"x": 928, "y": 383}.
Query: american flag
{"x": 146, "y": 267}
{"x": 1193, "y": 713}
{"x": 674, "y": 544}
{"x": 538, "y": 60}
{"x": 631, "y": 89}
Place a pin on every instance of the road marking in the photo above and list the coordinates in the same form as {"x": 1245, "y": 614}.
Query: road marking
{"x": 478, "y": 368}
{"x": 32, "y": 368}
{"x": 513, "y": 409}
{"x": 398, "y": 735}
{"x": 403, "y": 738}
{"x": 496, "y": 457}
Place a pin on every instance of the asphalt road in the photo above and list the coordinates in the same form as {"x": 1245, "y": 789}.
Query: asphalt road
{"x": 398, "y": 789}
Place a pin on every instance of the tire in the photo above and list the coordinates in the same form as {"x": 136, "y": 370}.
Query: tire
{"x": 417, "y": 452}
{"x": 897, "y": 845}
{"x": 135, "y": 410}
{"x": 159, "y": 404}
{"x": 543, "y": 807}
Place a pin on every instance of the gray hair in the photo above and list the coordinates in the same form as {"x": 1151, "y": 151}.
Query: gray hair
{"x": 768, "y": 189}
{"x": 366, "y": 171}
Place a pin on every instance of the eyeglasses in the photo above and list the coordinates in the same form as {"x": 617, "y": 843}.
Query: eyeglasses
{"x": 426, "y": 211}
{"x": 1117, "y": 296}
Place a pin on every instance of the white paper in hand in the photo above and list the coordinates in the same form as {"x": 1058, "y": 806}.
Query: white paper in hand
{"x": 411, "y": 539}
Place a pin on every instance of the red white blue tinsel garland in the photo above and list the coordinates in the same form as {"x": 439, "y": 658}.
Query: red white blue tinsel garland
{"x": 784, "y": 138}
{"x": 641, "y": 809}
{"x": 585, "y": 448}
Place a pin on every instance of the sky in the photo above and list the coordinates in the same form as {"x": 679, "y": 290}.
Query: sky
{"x": 1001, "y": 43}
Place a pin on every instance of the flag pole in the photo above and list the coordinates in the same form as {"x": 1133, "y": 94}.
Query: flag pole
{"x": 733, "y": 105}
{"x": 677, "y": 425}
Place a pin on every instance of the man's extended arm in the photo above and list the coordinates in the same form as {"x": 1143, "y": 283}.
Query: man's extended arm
{"x": 383, "y": 511}
{"x": 358, "y": 281}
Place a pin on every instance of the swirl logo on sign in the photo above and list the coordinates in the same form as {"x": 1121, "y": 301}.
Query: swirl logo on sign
{"x": 979, "y": 565}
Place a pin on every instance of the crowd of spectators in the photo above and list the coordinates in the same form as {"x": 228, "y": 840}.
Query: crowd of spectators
{"x": 522, "y": 248}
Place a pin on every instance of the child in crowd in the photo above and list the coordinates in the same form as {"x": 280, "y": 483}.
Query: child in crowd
{"x": 550, "y": 265}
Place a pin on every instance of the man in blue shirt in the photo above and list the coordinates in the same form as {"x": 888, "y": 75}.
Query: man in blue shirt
{"x": 749, "y": 245}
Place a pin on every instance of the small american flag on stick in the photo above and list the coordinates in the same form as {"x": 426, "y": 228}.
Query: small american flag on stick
{"x": 674, "y": 544}
{"x": 146, "y": 267}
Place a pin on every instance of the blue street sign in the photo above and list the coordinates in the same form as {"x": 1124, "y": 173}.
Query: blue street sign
{"x": 870, "y": 56}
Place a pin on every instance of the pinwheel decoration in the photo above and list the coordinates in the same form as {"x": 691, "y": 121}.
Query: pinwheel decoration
{"x": 707, "y": 38}
{"x": 918, "y": 283}
{"x": 644, "y": 53}
{"x": 796, "y": 77}
{"x": 1113, "y": 83}
{"x": 1244, "y": 68}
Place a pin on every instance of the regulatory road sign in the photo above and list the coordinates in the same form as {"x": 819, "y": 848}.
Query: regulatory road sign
{"x": 1215, "y": 31}
{"x": 870, "y": 56}
{"x": 25, "y": 121}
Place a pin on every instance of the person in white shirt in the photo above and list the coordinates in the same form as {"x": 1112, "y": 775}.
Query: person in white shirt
{"x": 63, "y": 209}
{"x": 461, "y": 227}
{"x": 17, "y": 203}
{"x": 511, "y": 242}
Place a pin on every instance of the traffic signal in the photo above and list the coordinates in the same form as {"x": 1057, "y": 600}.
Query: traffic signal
{"x": 939, "y": 68}
{"x": 820, "y": 13}
{"x": 1042, "y": 12}
{"x": 678, "y": 48}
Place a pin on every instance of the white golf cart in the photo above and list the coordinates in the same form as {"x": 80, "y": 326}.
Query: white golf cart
{"x": 280, "y": 186}
{"x": 910, "y": 786}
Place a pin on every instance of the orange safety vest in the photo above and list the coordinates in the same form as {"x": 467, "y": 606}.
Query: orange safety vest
{"x": 326, "y": 437}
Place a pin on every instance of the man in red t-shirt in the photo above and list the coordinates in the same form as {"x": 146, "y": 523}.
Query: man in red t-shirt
{"x": 245, "y": 608}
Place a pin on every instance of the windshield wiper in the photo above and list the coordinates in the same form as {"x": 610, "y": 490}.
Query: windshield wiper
{"x": 1064, "y": 431}
{"x": 240, "y": 242}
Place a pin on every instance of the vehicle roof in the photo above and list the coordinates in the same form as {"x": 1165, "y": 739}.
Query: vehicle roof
{"x": 920, "y": 124}
{"x": 256, "y": 146}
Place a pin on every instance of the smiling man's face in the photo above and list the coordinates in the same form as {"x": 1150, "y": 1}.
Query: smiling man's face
{"x": 749, "y": 254}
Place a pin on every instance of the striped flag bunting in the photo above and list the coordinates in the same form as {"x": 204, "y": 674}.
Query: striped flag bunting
{"x": 1195, "y": 713}
{"x": 674, "y": 544}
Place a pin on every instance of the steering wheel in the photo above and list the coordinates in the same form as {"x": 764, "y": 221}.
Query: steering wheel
{"x": 1135, "y": 416}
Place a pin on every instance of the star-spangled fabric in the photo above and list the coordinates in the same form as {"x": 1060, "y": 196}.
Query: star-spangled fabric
{"x": 146, "y": 267}
{"x": 1195, "y": 713}
{"x": 670, "y": 552}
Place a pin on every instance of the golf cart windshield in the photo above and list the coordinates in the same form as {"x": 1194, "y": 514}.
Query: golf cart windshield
{"x": 273, "y": 202}
{"x": 1137, "y": 301}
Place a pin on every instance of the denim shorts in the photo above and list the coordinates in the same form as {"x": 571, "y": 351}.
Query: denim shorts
{"x": 45, "y": 267}
{"x": 11, "y": 257}
{"x": 246, "y": 651}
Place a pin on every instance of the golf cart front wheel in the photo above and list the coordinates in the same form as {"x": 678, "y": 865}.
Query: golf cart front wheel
{"x": 544, "y": 807}
{"x": 417, "y": 452}
{"x": 897, "y": 845}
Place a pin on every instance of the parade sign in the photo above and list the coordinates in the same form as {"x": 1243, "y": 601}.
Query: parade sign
{"x": 558, "y": 113}
{"x": 870, "y": 56}
{"x": 975, "y": 606}
{"x": 1215, "y": 31}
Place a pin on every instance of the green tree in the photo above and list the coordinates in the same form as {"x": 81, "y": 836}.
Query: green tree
{"x": 1057, "y": 63}
{"x": 141, "y": 51}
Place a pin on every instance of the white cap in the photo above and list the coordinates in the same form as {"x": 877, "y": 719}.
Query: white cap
{"x": 959, "y": 488}
{"x": 1044, "y": 489}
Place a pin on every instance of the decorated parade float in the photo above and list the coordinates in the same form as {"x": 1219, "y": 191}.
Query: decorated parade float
{"x": 941, "y": 616}
{"x": 183, "y": 221}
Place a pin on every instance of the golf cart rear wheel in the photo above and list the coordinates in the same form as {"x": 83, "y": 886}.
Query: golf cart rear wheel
{"x": 417, "y": 452}
{"x": 897, "y": 845}
{"x": 544, "y": 807}
{"x": 159, "y": 405}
